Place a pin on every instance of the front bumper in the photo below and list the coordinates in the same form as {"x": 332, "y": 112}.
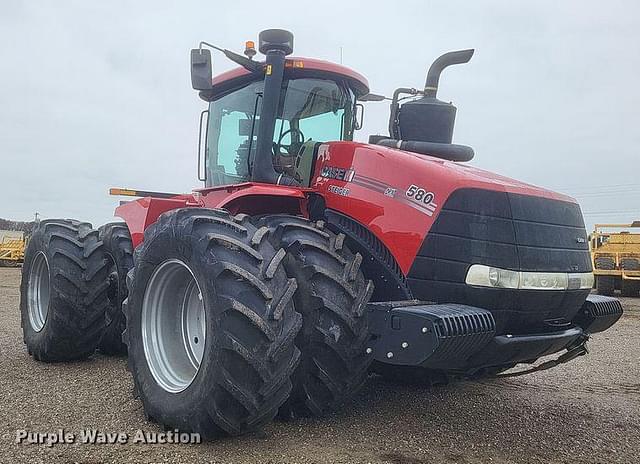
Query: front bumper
{"x": 458, "y": 337}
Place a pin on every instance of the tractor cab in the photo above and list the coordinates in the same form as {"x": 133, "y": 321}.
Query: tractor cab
{"x": 313, "y": 102}
{"x": 311, "y": 110}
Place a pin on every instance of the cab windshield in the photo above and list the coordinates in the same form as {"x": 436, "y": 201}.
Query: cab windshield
{"x": 311, "y": 111}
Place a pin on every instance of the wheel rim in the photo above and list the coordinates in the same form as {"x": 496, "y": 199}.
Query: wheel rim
{"x": 173, "y": 325}
{"x": 38, "y": 292}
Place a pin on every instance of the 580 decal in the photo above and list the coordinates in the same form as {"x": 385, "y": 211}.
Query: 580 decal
{"x": 421, "y": 199}
{"x": 420, "y": 194}
{"x": 415, "y": 196}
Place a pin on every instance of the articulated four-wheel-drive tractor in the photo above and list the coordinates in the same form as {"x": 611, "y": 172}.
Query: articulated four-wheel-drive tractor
{"x": 308, "y": 260}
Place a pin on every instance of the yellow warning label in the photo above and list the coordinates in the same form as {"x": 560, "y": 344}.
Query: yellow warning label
{"x": 294, "y": 64}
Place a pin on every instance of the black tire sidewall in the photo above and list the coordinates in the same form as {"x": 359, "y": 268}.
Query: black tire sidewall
{"x": 37, "y": 244}
{"x": 187, "y": 403}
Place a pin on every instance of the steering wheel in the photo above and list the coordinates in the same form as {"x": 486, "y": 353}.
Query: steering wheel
{"x": 296, "y": 143}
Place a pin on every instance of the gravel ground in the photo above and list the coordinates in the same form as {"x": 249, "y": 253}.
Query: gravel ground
{"x": 586, "y": 411}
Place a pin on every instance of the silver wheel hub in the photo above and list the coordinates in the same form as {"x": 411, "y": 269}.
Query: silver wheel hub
{"x": 173, "y": 325}
{"x": 38, "y": 292}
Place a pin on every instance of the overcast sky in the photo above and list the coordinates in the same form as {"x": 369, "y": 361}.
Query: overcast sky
{"x": 97, "y": 94}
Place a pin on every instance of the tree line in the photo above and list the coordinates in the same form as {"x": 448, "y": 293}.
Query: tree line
{"x": 26, "y": 227}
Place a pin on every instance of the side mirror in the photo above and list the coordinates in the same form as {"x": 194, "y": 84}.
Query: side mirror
{"x": 358, "y": 119}
{"x": 201, "y": 74}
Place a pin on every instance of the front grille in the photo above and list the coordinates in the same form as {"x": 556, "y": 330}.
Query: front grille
{"x": 509, "y": 231}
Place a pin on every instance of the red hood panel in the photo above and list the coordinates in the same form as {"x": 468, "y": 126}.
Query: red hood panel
{"x": 467, "y": 176}
{"x": 378, "y": 186}
{"x": 491, "y": 181}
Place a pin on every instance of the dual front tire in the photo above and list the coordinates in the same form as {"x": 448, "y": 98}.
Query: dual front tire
{"x": 332, "y": 296}
{"x": 210, "y": 324}
{"x": 269, "y": 319}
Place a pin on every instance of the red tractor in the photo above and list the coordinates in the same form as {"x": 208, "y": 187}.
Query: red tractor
{"x": 308, "y": 260}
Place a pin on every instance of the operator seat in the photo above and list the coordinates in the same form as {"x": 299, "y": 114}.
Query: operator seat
{"x": 305, "y": 162}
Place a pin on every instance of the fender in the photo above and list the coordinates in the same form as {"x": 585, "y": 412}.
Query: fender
{"x": 248, "y": 198}
{"x": 257, "y": 198}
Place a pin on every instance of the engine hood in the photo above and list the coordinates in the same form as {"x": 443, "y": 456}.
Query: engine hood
{"x": 466, "y": 175}
{"x": 398, "y": 195}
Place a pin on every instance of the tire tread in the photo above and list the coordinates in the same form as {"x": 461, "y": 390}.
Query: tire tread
{"x": 330, "y": 295}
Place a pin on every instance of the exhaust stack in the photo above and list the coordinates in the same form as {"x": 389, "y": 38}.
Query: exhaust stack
{"x": 439, "y": 65}
{"x": 275, "y": 44}
{"x": 427, "y": 119}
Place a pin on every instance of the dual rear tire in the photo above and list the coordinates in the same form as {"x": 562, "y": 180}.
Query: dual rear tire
{"x": 63, "y": 291}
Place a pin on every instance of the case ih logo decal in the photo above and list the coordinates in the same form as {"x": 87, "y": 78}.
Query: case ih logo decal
{"x": 332, "y": 172}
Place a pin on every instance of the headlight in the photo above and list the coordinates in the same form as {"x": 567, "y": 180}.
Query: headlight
{"x": 486, "y": 276}
{"x": 580, "y": 280}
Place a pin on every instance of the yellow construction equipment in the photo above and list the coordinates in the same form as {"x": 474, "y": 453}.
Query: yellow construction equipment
{"x": 615, "y": 255}
{"x": 12, "y": 246}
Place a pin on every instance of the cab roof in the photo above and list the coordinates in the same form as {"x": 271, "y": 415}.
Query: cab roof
{"x": 295, "y": 67}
